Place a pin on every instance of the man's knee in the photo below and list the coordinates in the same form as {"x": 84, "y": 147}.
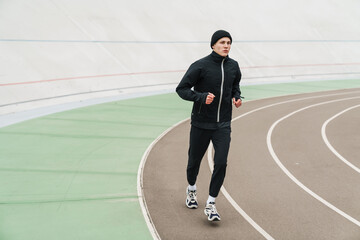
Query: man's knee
{"x": 220, "y": 166}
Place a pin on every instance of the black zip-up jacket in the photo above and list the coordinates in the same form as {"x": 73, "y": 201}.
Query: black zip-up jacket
{"x": 211, "y": 74}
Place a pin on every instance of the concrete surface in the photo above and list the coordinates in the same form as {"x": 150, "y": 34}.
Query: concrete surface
{"x": 60, "y": 51}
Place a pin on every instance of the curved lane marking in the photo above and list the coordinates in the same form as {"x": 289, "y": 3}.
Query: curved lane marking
{"x": 140, "y": 191}
{"x": 223, "y": 189}
{"x": 140, "y": 185}
{"x": 233, "y": 202}
{"x": 323, "y": 134}
{"x": 292, "y": 177}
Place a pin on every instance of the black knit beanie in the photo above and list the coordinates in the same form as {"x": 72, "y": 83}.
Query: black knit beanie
{"x": 219, "y": 34}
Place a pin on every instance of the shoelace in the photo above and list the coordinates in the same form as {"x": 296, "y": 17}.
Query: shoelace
{"x": 192, "y": 195}
{"x": 213, "y": 209}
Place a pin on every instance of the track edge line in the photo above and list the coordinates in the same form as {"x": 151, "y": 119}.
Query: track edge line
{"x": 140, "y": 189}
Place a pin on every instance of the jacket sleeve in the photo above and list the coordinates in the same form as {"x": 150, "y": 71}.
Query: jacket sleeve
{"x": 236, "y": 93}
{"x": 189, "y": 80}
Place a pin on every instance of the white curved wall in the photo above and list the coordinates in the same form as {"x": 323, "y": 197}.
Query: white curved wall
{"x": 61, "y": 51}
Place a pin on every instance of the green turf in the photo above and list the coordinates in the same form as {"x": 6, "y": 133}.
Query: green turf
{"x": 72, "y": 175}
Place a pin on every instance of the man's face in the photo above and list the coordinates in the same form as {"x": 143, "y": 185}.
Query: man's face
{"x": 222, "y": 46}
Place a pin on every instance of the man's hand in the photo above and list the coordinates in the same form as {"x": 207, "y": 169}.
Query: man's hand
{"x": 210, "y": 98}
{"x": 237, "y": 103}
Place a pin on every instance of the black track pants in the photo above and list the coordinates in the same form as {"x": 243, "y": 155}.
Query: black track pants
{"x": 199, "y": 142}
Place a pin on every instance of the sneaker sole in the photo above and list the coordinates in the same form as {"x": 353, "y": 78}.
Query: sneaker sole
{"x": 192, "y": 206}
{"x": 214, "y": 219}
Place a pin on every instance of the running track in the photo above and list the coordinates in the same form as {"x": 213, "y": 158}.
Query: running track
{"x": 73, "y": 174}
{"x": 293, "y": 173}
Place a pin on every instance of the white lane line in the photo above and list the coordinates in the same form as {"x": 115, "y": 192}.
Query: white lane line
{"x": 289, "y": 101}
{"x": 323, "y": 134}
{"x": 140, "y": 185}
{"x": 223, "y": 189}
{"x": 140, "y": 191}
{"x": 233, "y": 202}
{"x": 292, "y": 177}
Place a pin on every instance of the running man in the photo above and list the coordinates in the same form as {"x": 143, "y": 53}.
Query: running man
{"x": 212, "y": 83}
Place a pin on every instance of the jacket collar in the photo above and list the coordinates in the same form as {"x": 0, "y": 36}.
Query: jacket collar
{"x": 217, "y": 57}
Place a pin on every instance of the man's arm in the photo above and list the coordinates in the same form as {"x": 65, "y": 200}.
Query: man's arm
{"x": 236, "y": 93}
{"x": 184, "y": 89}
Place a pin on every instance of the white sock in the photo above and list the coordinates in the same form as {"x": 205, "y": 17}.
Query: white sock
{"x": 210, "y": 199}
{"x": 192, "y": 188}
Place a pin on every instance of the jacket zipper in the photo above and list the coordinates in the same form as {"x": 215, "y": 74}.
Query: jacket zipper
{"x": 221, "y": 90}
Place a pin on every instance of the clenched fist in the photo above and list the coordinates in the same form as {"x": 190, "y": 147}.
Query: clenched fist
{"x": 210, "y": 98}
{"x": 237, "y": 103}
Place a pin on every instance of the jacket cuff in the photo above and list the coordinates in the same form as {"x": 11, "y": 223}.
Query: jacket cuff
{"x": 203, "y": 97}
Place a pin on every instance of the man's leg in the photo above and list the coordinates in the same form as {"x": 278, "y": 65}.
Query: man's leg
{"x": 221, "y": 141}
{"x": 199, "y": 142}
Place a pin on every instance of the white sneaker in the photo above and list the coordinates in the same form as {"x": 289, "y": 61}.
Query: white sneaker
{"x": 191, "y": 201}
{"x": 211, "y": 213}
